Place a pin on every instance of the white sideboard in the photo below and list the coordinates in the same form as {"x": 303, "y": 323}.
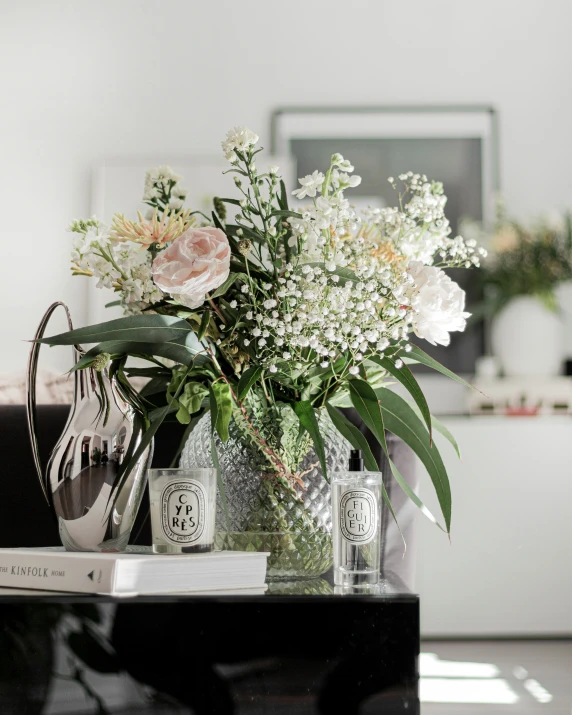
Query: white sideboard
{"x": 508, "y": 568}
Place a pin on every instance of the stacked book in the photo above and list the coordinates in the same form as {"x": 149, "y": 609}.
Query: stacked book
{"x": 136, "y": 572}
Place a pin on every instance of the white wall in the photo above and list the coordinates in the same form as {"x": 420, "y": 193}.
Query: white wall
{"x": 81, "y": 80}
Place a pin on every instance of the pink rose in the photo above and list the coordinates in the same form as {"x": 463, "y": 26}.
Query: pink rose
{"x": 194, "y": 264}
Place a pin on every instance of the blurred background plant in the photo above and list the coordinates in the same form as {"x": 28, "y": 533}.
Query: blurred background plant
{"x": 525, "y": 259}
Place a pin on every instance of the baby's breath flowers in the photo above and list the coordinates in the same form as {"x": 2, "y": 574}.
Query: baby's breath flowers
{"x": 355, "y": 286}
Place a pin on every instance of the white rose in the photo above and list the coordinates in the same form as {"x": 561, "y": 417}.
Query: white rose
{"x": 438, "y": 304}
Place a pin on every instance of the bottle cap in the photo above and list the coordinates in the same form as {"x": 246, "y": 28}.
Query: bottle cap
{"x": 356, "y": 461}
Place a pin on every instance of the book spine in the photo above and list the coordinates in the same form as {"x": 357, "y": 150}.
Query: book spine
{"x": 53, "y": 572}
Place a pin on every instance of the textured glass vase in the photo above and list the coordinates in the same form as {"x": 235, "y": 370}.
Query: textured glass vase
{"x": 269, "y": 513}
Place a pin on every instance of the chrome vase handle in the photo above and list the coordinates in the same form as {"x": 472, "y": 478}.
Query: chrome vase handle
{"x": 31, "y": 375}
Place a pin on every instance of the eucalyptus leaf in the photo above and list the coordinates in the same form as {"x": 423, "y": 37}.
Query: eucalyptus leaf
{"x": 354, "y": 436}
{"x": 236, "y": 202}
{"x": 401, "y": 420}
{"x": 221, "y": 395}
{"x": 404, "y": 375}
{"x": 233, "y": 277}
{"x": 134, "y": 328}
{"x": 156, "y": 418}
{"x": 190, "y": 427}
{"x": 421, "y": 356}
{"x": 439, "y": 427}
{"x": 204, "y": 324}
{"x": 307, "y": 417}
{"x": 148, "y": 372}
{"x": 217, "y": 221}
{"x": 283, "y": 198}
{"x": 184, "y": 351}
{"x": 155, "y": 386}
{"x": 371, "y": 411}
{"x": 286, "y": 214}
{"x": 247, "y": 380}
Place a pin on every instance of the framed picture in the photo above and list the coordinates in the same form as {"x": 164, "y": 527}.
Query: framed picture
{"x": 455, "y": 145}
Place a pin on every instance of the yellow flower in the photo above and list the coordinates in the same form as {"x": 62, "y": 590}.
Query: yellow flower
{"x": 146, "y": 232}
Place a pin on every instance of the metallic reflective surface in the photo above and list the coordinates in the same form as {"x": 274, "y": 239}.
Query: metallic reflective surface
{"x": 103, "y": 430}
{"x": 300, "y": 650}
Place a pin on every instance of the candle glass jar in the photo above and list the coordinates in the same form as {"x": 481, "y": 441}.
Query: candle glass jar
{"x": 183, "y": 505}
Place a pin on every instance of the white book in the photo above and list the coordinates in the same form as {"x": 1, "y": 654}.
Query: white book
{"x": 131, "y": 573}
{"x": 251, "y": 591}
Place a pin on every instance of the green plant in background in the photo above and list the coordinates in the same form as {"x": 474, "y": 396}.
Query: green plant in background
{"x": 277, "y": 314}
{"x": 525, "y": 259}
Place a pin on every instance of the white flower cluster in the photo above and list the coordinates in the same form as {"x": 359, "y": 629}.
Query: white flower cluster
{"x": 421, "y": 231}
{"x": 123, "y": 267}
{"x": 331, "y": 214}
{"x": 162, "y": 190}
{"x": 353, "y": 287}
{"x": 238, "y": 138}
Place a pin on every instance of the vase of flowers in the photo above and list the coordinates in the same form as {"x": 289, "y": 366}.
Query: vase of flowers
{"x": 521, "y": 279}
{"x": 261, "y": 321}
{"x": 289, "y": 514}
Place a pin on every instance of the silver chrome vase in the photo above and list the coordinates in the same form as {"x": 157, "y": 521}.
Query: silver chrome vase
{"x": 95, "y": 510}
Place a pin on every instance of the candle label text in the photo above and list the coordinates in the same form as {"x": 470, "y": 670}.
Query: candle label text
{"x": 358, "y": 516}
{"x": 183, "y": 509}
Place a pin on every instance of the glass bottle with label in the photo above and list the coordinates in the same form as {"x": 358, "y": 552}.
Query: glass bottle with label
{"x": 356, "y": 496}
{"x": 183, "y": 503}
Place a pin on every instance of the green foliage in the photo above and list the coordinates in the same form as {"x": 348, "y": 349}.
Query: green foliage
{"x": 247, "y": 380}
{"x": 375, "y": 414}
{"x": 214, "y": 356}
{"x": 219, "y": 208}
{"x": 134, "y": 328}
{"x": 307, "y": 417}
{"x": 404, "y": 375}
{"x": 418, "y": 355}
{"x": 401, "y": 420}
{"x": 221, "y": 407}
{"x": 358, "y": 441}
{"x": 182, "y": 350}
{"x": 528, "y": 261}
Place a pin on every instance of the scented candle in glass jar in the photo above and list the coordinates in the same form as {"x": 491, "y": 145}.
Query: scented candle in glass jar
{"x": 182, "y": 510}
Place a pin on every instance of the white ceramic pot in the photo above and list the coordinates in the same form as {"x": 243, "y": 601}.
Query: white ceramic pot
{"x": 527, "y": 339}
{"x": 564, "y": 298}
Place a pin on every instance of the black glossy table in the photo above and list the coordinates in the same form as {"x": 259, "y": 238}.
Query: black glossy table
{"x": 300, "y": 648}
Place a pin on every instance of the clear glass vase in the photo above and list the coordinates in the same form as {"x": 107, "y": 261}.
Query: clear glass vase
{"x": 263, "y": 511}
